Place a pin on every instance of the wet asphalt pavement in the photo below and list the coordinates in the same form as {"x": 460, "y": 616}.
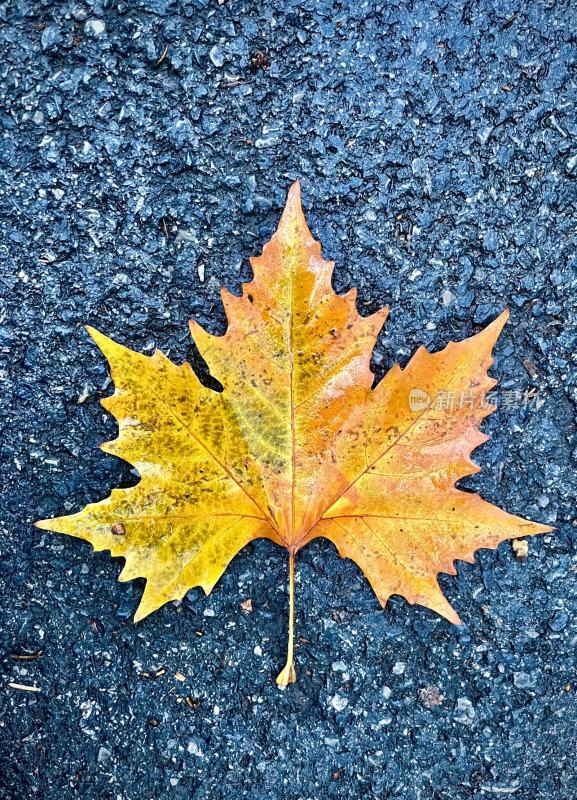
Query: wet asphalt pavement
{"x": 146, "y": 149}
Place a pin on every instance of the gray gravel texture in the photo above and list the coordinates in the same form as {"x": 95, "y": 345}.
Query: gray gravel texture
{"x": 146, "y": 151}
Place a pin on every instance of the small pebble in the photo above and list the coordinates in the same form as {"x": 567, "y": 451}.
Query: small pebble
{"x": 448, "y": 298}
{"x": 216, "y": 56}
{"x": 94, "y": 27}
{"x": 464, "y": 711}
{"x": 431, "y": 696}
{"x": 338, "y": 702}
{"x": 103, "y": 755}
{"x": 559, "y": 621}
{"x": 490, "y": 241}
{"x": 523, "y": 680}
{"x": 520, "y": 548}
{"x": 571, "y": 165}
{"x": 51, "y": 35}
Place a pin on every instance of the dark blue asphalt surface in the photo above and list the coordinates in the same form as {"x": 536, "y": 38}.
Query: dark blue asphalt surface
{"x": 146, "y": 149}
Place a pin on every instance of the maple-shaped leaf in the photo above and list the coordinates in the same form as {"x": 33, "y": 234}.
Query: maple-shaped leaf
{"x": 298, "y": 444}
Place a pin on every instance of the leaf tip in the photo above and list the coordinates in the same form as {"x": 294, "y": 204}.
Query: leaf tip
{"x": 380, "y": 317}
{"x": 294, "y": 199}
{"x": 539, "y": 529}
{"x": 95, "y": 334}
{"x": 498, "y": 323}
{"x": 487, "y": 337}
{"x": 44, "y": 524}
{"x": 453, "y": 617}
{"x": 141, "y": 613}
{"x": 295, "y": 191}
{"x": 437, "y": 601}
{"x": 100, "y": 339}
{"x": 292, "y": 221}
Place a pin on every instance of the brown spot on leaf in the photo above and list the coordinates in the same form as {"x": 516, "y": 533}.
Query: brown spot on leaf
{"x": 118, "y": 529}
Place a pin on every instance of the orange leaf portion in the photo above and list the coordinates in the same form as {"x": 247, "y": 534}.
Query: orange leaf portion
{"x": 299, "y": 444}
{"x": 401, "y": 517}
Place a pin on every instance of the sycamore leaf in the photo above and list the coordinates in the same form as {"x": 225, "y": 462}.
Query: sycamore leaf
{"x": 298, "y": 445}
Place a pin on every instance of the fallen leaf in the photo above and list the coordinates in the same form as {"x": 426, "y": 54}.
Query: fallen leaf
{"x": 298, "y": 445}
{"x": 531, "y": 368}
{"x": 246, "y": 606}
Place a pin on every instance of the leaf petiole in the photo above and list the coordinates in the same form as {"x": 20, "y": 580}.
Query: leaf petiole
{"x": 288, "y": 674}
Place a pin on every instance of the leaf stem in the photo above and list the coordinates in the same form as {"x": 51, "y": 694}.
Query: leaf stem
{"x": 288, "y": 674}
